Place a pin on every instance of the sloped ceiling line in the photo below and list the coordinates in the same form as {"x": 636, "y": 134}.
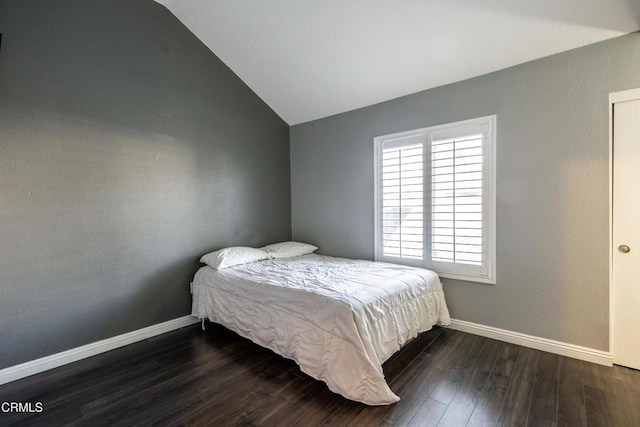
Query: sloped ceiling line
{"x": 309, "y": 59}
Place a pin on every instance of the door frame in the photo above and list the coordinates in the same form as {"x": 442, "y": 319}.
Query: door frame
{"x": 614, "y": 97}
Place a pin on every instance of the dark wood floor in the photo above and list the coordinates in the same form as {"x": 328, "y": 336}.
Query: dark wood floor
{"x": 444, "y": 378}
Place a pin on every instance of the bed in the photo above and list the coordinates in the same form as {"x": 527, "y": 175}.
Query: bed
{"x": 338, "y": 319}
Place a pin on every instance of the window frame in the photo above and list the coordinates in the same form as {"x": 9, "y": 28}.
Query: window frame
{"x": 458, "y": 271}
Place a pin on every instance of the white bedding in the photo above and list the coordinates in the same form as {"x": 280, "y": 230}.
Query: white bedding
{"x": 339, "y": 319}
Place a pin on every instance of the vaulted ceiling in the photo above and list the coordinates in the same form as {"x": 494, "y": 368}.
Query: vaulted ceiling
{"x": 309, "y": 59}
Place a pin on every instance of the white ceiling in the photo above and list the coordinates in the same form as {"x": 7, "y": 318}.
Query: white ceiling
{"x": 309, "y": 59}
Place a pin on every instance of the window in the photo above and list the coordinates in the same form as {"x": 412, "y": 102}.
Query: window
{"x": 435, "y": 199}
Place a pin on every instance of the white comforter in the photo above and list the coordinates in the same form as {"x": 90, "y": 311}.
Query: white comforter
{"x": 339, "y": 319}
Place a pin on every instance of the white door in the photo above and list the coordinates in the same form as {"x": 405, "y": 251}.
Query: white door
{"x": 626, "y": 230}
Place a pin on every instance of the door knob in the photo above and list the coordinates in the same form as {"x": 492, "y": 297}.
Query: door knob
{"x": 624, "y": 249}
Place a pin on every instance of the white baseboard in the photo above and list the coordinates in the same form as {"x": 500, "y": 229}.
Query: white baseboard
{"x": 32, "y": 367}
{"x": 570, "y": 350}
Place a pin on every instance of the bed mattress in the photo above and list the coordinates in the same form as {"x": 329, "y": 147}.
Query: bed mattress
{"x": 338, "y": 319}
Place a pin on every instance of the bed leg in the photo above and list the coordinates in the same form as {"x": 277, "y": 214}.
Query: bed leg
{"x": 203, "y": 323}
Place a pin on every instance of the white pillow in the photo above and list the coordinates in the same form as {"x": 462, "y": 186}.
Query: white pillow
{"x": 236, "y": 255}
{"x": 288, "y": 249}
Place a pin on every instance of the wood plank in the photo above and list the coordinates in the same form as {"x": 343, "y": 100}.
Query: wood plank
{"x": 597, "y": 409}
{"x": 310, "y": 410}
{"x": 345, "y": 414}
{"x": 515, "y": 408}
{"x": 402, "y": 359}
{"x": 543, "y": 409}
{"x": 456, "y": 368}
{"x": 287, "y": 391}
{"x": 491, "y": 397}
{"x": 617, "y": 396}
{"x": 467, "y": 395}
{"x": 220, "y": 380}
{"x": 126, "y": 390}
{"x": 416, "y": 379}
{"x": 571, "y": 408}
{"x": 447, "y": 366}
{"x": 633, "y": 376}
{"x": 428, "y": 414}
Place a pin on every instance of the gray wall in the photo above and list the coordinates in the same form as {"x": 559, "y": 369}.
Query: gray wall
{"x": 552, "y": 186}
{"x": 127, "y": 149}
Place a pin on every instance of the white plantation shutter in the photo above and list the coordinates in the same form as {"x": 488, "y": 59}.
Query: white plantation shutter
{"x": 435, "y": 199}
{"x": 403, "y": 198}
{"x": 456, "y": 200}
